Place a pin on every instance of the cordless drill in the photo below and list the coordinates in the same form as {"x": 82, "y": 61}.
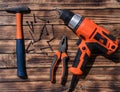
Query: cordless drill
{"x": 93, "y": 37}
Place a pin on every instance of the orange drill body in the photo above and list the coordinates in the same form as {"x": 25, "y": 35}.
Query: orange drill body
{"x": 92, "y": 37}
{"x": 90, "y": 33}
{"x": 93, "y": 33}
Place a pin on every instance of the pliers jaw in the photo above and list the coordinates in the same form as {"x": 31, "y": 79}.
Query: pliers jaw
{"x": 63, "y": 44}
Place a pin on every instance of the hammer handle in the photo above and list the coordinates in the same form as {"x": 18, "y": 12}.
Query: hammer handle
{"x": 20, "y": 48}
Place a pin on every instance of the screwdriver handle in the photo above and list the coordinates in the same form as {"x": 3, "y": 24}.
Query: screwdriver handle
{"x": 20, "y": 48}
{"x": 81, "y": 59}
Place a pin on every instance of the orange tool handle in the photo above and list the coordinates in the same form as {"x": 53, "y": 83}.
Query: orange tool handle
{"x": 20, "y": 48}
{"x": 19, "y": 32}
{"x": 54, "y": 66}
{"x": 81, "y": 59}
{"x": 64, "y": 58}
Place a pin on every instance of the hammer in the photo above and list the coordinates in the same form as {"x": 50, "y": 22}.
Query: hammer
{"x": 20, "y": 47}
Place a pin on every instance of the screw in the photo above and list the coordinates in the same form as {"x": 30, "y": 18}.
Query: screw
{"x": 83, "y": 48}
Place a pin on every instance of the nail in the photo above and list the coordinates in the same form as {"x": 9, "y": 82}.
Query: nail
{"x": 29, "y": 44}
{"x": 53, "y": 34}
{"x": 34, "y": 18}
{"x": 47, "y": 21}
{"x": 31, "y": 30}
{"x": 46, "y": 30}
{"x": 41, "y": 32}
{"x": 30, "y": 50}
{"x": 53, "y": 31}
{"x": 50, "y": 46}
{"x": 44, "y": 47}
{"x": 32, "y": 26}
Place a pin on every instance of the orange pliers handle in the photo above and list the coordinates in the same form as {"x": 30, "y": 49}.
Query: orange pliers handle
{"x": 62, "y": 56}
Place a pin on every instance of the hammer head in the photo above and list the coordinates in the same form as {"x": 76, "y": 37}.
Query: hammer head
{"x": 21, "y": 9}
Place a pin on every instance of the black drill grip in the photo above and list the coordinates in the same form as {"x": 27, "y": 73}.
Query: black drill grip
{"x": 81, "y": 59}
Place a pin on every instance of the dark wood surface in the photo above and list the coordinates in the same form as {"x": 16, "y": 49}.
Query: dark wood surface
{"x": 102, "y": 76}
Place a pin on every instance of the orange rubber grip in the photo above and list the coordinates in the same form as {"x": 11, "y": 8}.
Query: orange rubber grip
{"x": 19, "y": 34}
{"x": 64, "y": 74}
{"x": 54, "y": 66}
{"x": 81, "y": 59}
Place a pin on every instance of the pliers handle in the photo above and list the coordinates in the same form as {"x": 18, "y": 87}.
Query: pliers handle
{"x": 60, "y": 55}
{"x": 54, "y": 65}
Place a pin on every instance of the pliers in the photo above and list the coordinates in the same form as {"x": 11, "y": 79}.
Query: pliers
{"x": 61, "y": 55}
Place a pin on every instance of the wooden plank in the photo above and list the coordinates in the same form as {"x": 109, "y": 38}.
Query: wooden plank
{"x": 100, "y": 20}
{"x": 100, "y": 17}
{"x": 65, "y": 4}
{"x": 58, "y": 30}
{"x": 52, "y": 14}
{"x": 42, "y": 60}
{"x": 42, "y": 74}
{"x": 8, "y": 32}
{"x": 8, "y": 46}
{"x": 6, "y": 58}
{"x": 102, "y": 76}
{"x": 93, "y": 86}
{"x": 112, "y": 86}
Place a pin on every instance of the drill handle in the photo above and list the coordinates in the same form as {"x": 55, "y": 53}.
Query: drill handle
{"x": 81, "y": 58}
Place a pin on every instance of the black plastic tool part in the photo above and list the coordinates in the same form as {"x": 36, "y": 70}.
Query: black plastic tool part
{"x": 21, "y": 9}
{"x": 65, "y": 15}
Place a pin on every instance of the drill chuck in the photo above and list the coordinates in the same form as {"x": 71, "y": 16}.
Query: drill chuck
{"x": 70, "y": 19}
{"x": 74, "y": 21}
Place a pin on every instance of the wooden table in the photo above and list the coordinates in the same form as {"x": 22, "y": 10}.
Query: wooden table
{"x": 102, "y": 76}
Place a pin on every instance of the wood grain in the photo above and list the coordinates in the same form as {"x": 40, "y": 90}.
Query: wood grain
{"x": 101, "y": 74}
